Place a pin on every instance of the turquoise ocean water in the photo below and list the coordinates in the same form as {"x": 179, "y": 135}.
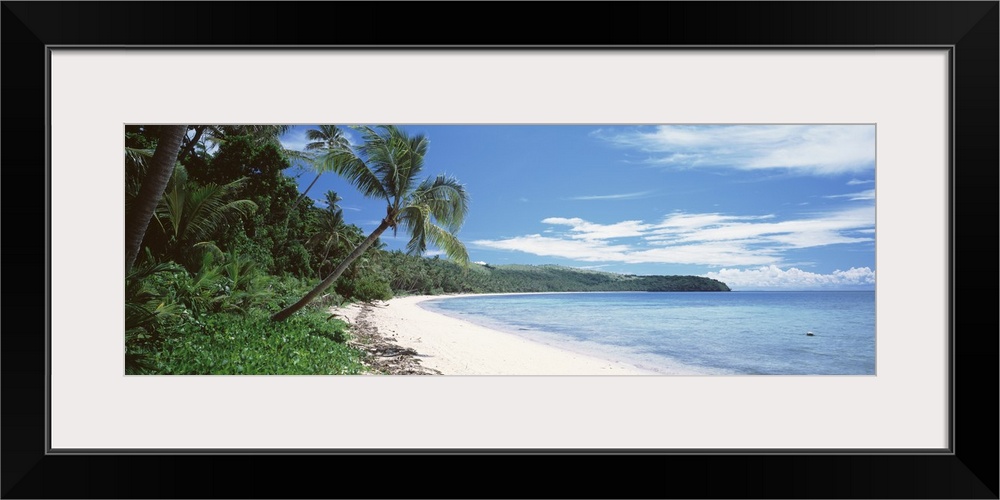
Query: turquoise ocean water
{"x": 735, "y": 333}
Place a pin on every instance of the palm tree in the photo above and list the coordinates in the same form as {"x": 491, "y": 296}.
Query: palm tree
{"x": 387, "y": 166}
{"x": 158, "y": 173}
{"x": 189, "y": 214}
{"x": 333, "y": 233}
{"x": 326, "y": 138}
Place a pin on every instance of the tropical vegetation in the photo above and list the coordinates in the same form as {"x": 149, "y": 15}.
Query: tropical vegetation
{"x": 230, "y": 269}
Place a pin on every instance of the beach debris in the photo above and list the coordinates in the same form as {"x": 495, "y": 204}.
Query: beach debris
{"x": 346, "y": 319}
{"x": 381, "y": 355}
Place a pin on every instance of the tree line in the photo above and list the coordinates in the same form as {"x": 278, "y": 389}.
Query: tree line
{"x": 420, "y": 275}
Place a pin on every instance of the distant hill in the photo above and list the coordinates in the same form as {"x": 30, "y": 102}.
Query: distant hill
{"x": 553, "y": 278}
{"x": 410, "y": 274}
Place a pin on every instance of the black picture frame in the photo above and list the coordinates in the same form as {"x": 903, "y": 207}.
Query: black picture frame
{"x": 970, "y": 29}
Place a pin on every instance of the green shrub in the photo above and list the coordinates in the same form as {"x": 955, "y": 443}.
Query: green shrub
{"x": 251, "y": 344}
{"x": 365, "y": 288}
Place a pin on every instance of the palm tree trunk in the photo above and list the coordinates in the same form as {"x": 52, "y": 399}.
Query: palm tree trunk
{"x": 161, "y": 167}
{"x": 323, "y": 262}
{"x": 315, "y": 292}
{"x": 304, "y": 193}
{"x": 190, "y": 146}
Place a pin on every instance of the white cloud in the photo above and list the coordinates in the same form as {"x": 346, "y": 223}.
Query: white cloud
{"x": 855, "y": 182}
{"x": 584, "y": 250}
{"x": 818, "y": 230}
{"x": 730, "y": 253}
{"x": 863, "y": 195}
{"x": 622, "y": 196}
{"x": 807, "y": 149}
{"x": 700, "y": 239}
{"x": 581, "y": 229}
{"x": 684, "y": 221}
{"x": 718, "y": 254}
{"x": 349, "y": 135}
{"x": 773, "y": 277}
{"x": 294, "y": 139}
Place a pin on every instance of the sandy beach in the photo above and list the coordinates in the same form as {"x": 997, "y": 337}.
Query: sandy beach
{"x": 450, "y": 346}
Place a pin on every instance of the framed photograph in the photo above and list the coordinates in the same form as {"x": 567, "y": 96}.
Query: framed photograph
{"x": 912, "y": 85}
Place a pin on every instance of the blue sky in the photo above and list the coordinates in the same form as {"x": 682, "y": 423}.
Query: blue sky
{"x": 756, "y": 206}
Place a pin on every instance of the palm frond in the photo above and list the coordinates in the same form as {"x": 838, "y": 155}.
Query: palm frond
{"x": 413, "y": 164}
{"x": 136, "y": 160}
{"x": 326, "y": 137}
{"x": 301, "y": 156}
{"x": 209, "y": 212}
{"x": 447, "y": 199}
{"x": 191, "y": 213}
{"x": 447, "y": 241}
{"x": 395, "y": 157}
{"x": 137, "y": 157}
{"x": 135, "y": 289}
{"x": 382, "y": 154}
{"x": 348, "y": 165}
{"x": 210, "y": 246}
{"x": 414, "y": 219}
{"x": 171, "y": 209}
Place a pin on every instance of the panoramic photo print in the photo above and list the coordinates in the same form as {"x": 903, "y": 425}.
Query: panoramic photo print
{"x": 585, "y": 249}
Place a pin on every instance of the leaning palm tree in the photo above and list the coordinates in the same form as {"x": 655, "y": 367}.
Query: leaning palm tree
{"x": 326, "y": 138}
{"x": 387, "y": 166}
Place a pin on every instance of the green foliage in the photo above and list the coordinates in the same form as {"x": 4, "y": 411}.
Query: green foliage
{"x": 190, "y": 214}
{"x": 145, "y": 310}
{"x": 250, "y": 344}
{"x": 293, "y": 258}
{"x": 284, "y": 290}
{"x": 275, "y": 235}
{"x": 239, "y": 264}
{"x": 215, "y": 320}
{"x": 366, "y": 288}
{"x": 331, "y": 238}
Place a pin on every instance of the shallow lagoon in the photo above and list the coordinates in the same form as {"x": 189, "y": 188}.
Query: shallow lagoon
{"x": 700, "y": 332}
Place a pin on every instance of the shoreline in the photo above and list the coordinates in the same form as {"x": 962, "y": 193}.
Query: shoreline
{"x": 404, "y": 338}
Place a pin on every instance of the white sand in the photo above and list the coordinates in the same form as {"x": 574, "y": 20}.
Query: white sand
{"x": 456, "y": 347}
